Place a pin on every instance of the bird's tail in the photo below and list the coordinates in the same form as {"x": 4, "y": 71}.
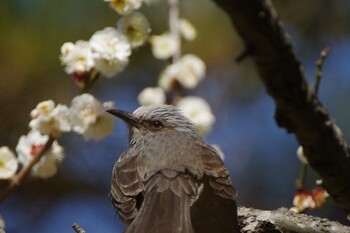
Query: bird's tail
{"x": 166, "y": 206}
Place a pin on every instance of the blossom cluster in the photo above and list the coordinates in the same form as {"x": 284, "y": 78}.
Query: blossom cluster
{"x": 107, "y": 53}
{"x": 304, "y": 199}
{"x": 108, "y": 50}
{"x": 86, "y": 116}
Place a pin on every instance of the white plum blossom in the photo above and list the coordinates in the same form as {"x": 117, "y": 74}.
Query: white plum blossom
{"x": 89, "y": 117}
{"x": 187, "y": 30}
{"x": 192, "y": 70}
{"x": 301, "y": 155}
{"x": 49, "y": 119}
{"x": 124, "y": 7}
{"x": 198, "y": 111}
{"x": 30, "y": 145}
{"x": 169, "y": 77}
{"x": 164, "y": 46}
{"x": 136, "y": 27}
{"x": 8, "y": 163}
{"x": 76, "y": 58}
{"x": 110, "y": 51}
{"x": 188, "y": 71}
{"x": 108, "y": 104}
{"x": 152, "y": 96}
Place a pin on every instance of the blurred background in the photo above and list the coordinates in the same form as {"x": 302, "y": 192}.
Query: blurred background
{"x": 260, "y": 156}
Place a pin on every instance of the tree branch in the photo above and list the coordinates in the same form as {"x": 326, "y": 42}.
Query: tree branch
{"x": 77, "y": 228}
{"x": 17, "y": 179}
{"x": 174, "y": 27}
{"x": 283, "y": 220}
{"x": 297, "y": 108}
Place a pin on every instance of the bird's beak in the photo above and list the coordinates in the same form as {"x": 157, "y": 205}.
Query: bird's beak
{"x": 125, "y": 116}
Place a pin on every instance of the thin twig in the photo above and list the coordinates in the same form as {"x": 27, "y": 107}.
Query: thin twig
{"x": 174, "y": 27}
{"x": 77, "y": 228}
{"x": 177, "y": 92}
{"x": 18, "y": 179}
{"x": 319, "y": 65}
{"x": 175, "y": 32}
{"x": 94, "y": 77}
{"x": 301, "y": 180}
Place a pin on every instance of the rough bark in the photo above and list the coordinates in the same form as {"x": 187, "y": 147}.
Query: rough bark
{"x": 283, "y": 220}
{"x": 297, "y": 109}
{"x": 77, "y": 228}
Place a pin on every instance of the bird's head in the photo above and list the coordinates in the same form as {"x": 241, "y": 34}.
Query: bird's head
{"x": 154, "y": 119}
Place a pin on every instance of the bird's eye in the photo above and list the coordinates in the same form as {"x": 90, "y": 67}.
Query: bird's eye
{"x": 157, "y": 124}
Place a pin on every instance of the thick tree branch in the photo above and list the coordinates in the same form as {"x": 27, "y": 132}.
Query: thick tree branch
{"x": 283, "y": 220}
{"x": 297, "y": 109}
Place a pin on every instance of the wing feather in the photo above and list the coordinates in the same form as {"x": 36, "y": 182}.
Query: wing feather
{"x": 215, "y": 210}
{"x": 214, "y": 167}
{"x": 126, "y": 185}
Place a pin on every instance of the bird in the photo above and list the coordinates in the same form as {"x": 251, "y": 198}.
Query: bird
{"x": 169, "y": 180}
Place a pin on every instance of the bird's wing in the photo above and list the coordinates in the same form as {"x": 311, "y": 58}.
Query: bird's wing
{"x": 126, "y": 186}
{"x": 215, "y": 210}
{"x": 214, "y": 167}
{"x": 166, "y": 204}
